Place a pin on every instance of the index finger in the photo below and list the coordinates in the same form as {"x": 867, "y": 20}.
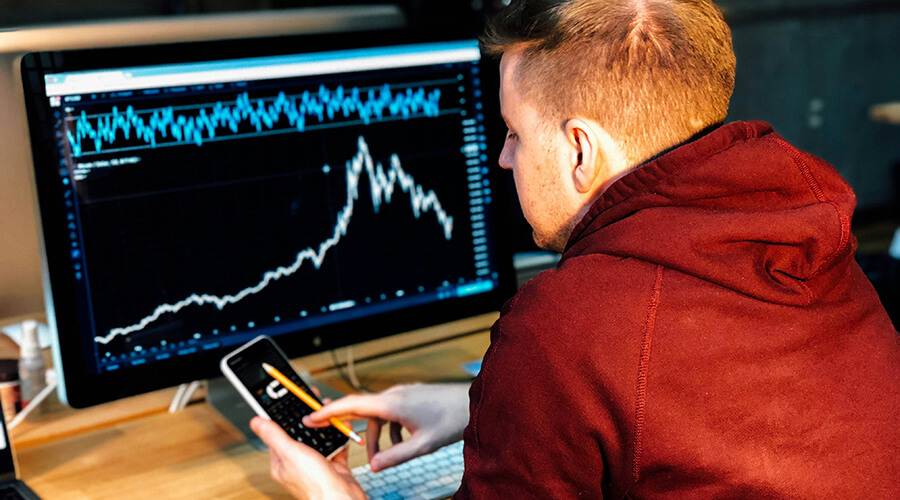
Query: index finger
{"x": 353, "y": 407}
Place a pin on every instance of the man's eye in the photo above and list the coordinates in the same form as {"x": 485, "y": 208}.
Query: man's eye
{"x": 511, "y": 136}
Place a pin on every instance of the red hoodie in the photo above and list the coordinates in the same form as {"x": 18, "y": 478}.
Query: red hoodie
{"x": 707, "y": 334}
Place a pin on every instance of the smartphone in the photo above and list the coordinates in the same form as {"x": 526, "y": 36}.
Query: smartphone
{"x": 269, "y": 399}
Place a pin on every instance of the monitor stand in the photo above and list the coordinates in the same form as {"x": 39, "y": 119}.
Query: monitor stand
{"x": 229, "y": 403}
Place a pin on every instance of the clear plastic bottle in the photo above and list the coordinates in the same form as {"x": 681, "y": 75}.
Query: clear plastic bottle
{"x": 32, "y": 369}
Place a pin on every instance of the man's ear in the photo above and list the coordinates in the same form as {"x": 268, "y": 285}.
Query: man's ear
{"x": 584, "y": 159}
{"x": 596, "y": 158}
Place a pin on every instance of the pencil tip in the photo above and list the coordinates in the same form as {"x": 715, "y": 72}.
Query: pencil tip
{"x": 266, "y": 366}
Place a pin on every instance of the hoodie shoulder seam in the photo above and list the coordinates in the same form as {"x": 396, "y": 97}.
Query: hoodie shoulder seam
{"x": 819, "y": 193}
{"x": 805, "y": 171}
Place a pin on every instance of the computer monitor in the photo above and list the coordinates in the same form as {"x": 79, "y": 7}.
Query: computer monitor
{"x": 323, "y": 190}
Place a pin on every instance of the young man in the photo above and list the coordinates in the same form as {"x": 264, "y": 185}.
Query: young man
{"x": 707, "y": 333}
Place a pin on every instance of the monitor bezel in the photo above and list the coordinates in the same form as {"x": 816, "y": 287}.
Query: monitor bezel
{"x": 80, "y": 389}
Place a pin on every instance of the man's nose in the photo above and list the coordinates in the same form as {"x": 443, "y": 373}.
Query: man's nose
{"x": 505, "y": 160}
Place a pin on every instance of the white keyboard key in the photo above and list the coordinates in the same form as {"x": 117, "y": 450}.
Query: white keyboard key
{"x": 439, "y": 492}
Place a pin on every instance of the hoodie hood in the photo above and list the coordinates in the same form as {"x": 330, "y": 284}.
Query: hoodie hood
{"x": 738, "y": 207}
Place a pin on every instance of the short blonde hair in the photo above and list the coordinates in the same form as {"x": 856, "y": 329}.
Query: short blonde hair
{"x": 652, "y": 72}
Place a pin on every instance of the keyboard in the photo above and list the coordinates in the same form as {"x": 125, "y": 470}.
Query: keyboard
{"x": 9, "y": 491}
{"x": 428, "y": 477}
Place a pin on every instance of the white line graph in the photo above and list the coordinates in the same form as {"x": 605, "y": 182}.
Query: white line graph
{"x": 382, "y": 183}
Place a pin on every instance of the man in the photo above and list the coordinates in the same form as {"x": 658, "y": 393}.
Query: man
{"x": 707, "y": 333}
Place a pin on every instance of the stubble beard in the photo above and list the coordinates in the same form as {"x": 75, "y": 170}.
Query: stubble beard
{"x": 555, "y": 242}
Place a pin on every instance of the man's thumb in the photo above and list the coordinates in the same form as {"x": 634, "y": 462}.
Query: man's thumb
{"x": 270, "y": 432}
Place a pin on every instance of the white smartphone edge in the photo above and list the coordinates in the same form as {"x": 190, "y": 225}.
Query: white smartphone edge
{"x": 242, "y": 389}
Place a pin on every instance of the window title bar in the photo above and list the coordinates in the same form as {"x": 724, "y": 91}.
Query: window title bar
{"x": 261, "y": 68}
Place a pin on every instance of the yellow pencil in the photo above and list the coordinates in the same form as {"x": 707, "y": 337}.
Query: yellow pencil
{"x": 309, "y": 400}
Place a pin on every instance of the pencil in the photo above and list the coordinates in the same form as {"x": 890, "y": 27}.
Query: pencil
{"x": 309, "y": 400}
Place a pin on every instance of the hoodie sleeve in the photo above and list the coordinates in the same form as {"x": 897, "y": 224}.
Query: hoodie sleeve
{"x": 552, "y": 412}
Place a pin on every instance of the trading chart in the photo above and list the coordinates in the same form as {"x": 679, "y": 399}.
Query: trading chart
{"x": 203, "y": 212}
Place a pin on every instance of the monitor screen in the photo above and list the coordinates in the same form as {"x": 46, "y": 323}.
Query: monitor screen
{"x": 322, "y": 191}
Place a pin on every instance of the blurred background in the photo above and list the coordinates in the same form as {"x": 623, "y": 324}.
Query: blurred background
{"x": 815, "y": 69}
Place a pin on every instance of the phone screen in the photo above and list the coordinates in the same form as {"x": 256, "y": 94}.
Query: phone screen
{"x": 279, "y": 404}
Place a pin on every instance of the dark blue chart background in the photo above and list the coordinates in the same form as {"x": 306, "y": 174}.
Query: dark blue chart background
{"x": 174, "y": 220}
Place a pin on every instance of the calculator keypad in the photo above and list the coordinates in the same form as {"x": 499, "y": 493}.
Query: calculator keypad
{"x": 287, "y": 410}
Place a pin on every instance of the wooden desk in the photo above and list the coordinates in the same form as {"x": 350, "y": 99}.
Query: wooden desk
{"x": 134, "y": 449}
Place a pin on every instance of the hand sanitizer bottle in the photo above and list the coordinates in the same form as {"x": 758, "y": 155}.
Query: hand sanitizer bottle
{"x": 32, "y": 378}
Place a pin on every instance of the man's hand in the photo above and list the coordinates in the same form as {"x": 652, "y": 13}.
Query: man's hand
{"x": 434, "y": 415}
{"x": 303, "y": 471}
